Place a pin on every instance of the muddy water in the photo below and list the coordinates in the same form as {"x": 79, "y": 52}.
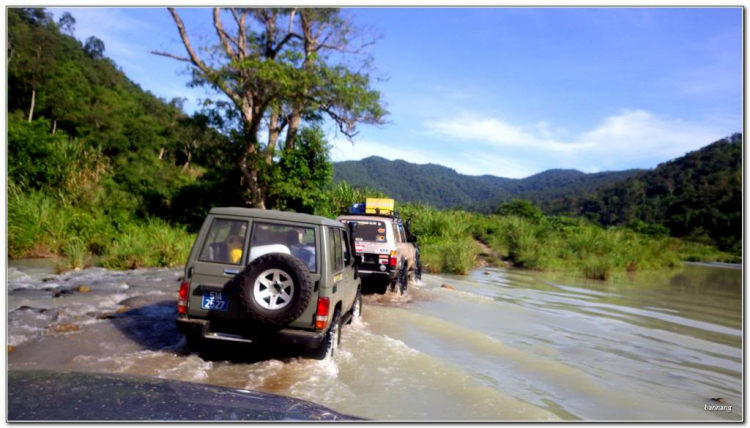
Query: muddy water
{"x": 501, "y": 345}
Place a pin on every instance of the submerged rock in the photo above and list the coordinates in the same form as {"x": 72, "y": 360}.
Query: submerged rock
{"x": 447, "y": 287}
{"x": 63, "y": 328}
{"x": 56, "y": 294}
{"x": 84, "y": 289}
{"x": 33, "y": 309}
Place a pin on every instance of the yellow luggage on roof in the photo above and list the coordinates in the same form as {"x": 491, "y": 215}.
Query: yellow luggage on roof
{"x": 386, "y": 206}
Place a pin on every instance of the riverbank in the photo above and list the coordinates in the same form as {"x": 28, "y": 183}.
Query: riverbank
{"x": 457, "y": 241}
{"x": 76, "y": 234}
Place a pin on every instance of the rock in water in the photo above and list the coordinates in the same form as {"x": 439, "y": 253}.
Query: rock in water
{"x": 448, "y": 287}
{"x": 84, "y": 289}
{"x": 122, "y": 309}
{"x": 63, "y": 328}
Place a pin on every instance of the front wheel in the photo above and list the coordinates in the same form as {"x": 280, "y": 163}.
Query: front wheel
{"x": 331, "y": 343}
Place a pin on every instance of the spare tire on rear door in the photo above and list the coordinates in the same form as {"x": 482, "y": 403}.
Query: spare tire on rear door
{"x": 275, "y": 289}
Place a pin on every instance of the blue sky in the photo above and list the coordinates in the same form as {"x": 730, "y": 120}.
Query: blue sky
{"x": 504, "y": 91}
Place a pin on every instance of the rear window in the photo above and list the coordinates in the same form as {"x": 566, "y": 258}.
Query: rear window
{"x": 298, "y": 241}
{"x": 224, "y": 242}
{"x": 370, "y": 231}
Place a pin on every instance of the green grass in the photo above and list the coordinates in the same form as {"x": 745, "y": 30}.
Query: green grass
{"x": 577, "y": 245}
{"x": 41, "y": 225}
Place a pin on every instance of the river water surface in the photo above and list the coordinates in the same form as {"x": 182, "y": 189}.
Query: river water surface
{"x": 501, "y": 344}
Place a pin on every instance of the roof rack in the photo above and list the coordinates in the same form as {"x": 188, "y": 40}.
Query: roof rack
{"x": 393, "y": 213}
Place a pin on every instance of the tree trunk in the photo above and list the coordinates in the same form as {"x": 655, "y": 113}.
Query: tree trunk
{"x": 54, "y": 126}
{"x": 189, "y": 154}
{"x": 247, "y": 165}
{"x": 161, "y": 153}
{"x": 33, "y": 100}
{"x": 294, "y": 122}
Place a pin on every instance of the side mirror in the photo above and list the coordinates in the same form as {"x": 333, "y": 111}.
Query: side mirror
{"x": 411, "y": 239}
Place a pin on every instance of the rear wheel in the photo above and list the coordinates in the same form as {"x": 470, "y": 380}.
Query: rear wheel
{"x": 356, "y": 307}
{"x": 403, "y": 279}
{"x": 327, "y": 349}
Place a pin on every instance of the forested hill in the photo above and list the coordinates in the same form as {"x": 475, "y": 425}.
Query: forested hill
{"x": 60, "y": 88}
{"x": 443, "y": 187}
{"x": 698, "y": 195}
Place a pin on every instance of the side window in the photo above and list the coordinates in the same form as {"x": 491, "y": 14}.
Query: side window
{"x": 396, "y": 232}
{"x": 296, "y": 241}
{"x": 345, "y": 245}
{"x": 224, "y": 242}
{"x": 403, "y": 232}
{"x": 332, "y": 248}
{"x": 338, "y": 248}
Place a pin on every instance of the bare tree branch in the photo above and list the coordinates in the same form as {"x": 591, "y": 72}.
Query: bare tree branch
{"x": 223, "y": 35}
{"x": 169, "y": 55}
{"x": 240, "y": 20}
{"x": 185, "y": 41}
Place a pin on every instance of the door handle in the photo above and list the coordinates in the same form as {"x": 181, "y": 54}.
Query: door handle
{"x": 231, "y": 271}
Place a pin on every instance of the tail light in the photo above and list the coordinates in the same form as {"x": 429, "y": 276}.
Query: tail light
{"x": 394, "y": 260}
{"x": 321, "y": 317}
{"x": 182, "y": 300}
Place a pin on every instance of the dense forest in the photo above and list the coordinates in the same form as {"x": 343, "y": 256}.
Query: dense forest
{"x": 698, "y": 196}
{"x": 443, "y": 187}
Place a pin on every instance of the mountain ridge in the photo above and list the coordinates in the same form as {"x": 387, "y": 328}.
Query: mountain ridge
{"x": 444, "y": 187}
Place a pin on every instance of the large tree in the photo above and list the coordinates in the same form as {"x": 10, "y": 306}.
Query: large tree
{"x": 280, "y": 68}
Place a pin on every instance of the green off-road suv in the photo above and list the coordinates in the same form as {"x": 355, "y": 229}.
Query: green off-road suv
{"x": 269, "y": 278}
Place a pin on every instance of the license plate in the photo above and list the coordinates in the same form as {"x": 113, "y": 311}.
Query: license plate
{"x": 215, "y": 301}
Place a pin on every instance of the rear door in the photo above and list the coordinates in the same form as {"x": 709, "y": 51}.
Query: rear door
{"x": 299, "y": 240}
{"x": 220, "y": 257}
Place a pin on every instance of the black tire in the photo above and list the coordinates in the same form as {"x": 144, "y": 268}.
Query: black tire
{"x": 403, "y": 279}
{"x": 418, "y": 261}
{"x": 356, "y": 307}
{"x": 331, "y": 343}
{"x": 298, "y": 298}
{"x": 194, "y": 343}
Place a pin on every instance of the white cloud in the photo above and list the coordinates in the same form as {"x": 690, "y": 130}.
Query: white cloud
{"x": 632, "y": 135}
{"x": 498, "y": 133}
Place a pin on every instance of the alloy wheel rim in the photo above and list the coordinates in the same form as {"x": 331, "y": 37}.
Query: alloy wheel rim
{"x": 273, "y": 289}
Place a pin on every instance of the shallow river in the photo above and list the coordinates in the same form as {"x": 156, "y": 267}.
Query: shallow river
{"x": 501, "y": 345}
